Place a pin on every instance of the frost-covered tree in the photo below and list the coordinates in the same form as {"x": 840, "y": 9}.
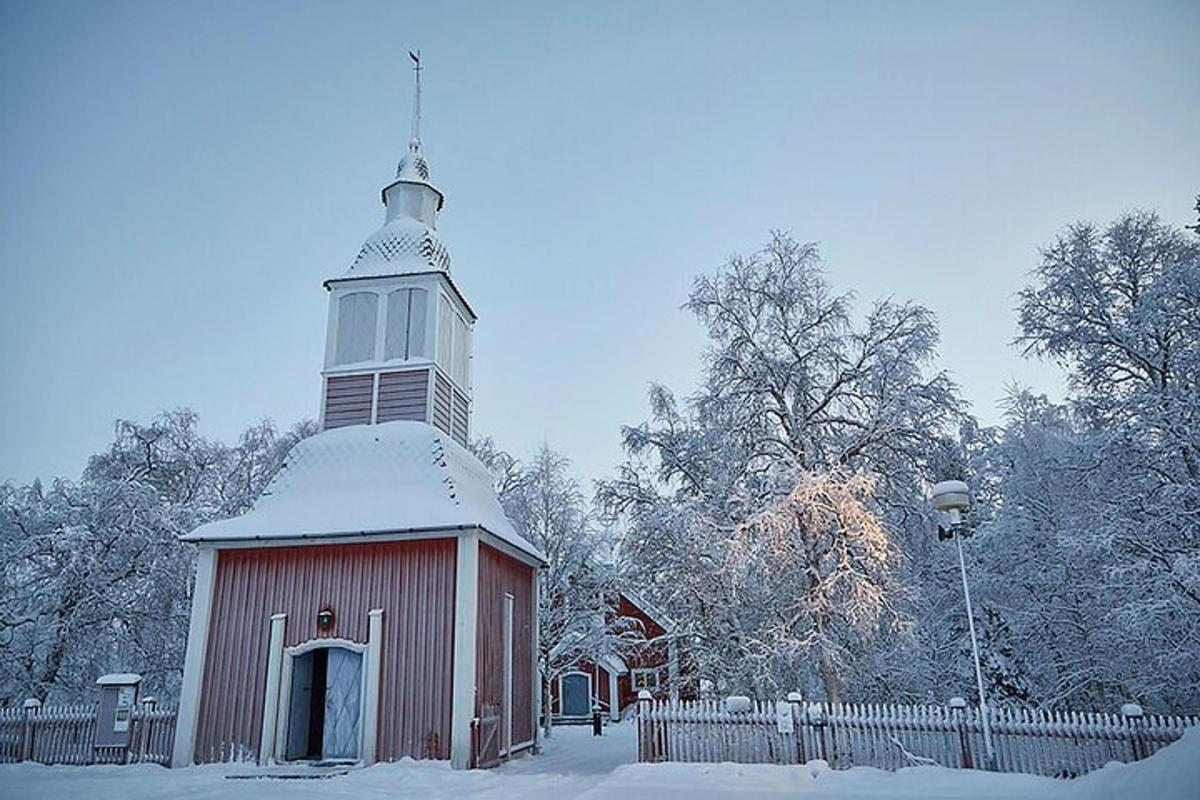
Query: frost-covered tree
{"x": 795, "y": 396}
{"x": 1106, "y": 491}
{"x": 92, "y": 575}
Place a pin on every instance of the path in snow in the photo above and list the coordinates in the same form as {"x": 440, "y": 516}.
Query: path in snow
{"x": 572, "y": 750}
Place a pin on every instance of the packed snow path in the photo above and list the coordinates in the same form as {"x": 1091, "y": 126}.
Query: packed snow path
{"x": 574, "y": 765}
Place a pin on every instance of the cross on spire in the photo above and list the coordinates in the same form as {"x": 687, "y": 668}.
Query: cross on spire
{"x": 414, "y": 143}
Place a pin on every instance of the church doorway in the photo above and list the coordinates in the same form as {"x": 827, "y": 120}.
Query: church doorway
{"x": 325, "y": 705}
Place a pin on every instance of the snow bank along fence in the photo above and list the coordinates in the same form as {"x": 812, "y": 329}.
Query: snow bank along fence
{"x": 1056, "y": 744}
{"x": 67, "y": 735}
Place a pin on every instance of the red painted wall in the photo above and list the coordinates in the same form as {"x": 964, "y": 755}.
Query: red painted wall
{"x": 500, "y": 574}
{"x": 641, "y": 656}
{"x": 413, "y": 582}
{"x": 636, "y": 656}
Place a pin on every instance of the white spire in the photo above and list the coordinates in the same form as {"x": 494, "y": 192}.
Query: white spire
{"x": 408, "y": 241}
{"x": 413, "y": 166}
{"x": 414, "y": 143}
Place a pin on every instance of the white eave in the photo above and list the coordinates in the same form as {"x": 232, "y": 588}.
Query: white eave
{"x": 445, "y": 276}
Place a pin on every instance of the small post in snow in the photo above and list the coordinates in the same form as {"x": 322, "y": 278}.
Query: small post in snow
{"x": 794, "y": 700}
{"x": 643, "y": 725}
{"x": 28, "y": 713}
{"x": 958, "y": 710}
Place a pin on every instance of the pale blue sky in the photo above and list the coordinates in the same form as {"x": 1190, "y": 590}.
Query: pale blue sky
{"x": 176, "y": 179}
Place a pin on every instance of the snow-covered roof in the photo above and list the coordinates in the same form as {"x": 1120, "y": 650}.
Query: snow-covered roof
{"x": 613, "y": 663}
{"x": 403, "y": 245}
{"x": 119, "y": 679}
{"x": 661, "y": 617}
{"x": 394, "y": 477}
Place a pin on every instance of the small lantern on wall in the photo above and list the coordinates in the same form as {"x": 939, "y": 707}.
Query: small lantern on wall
{"x": 325, "y": 620}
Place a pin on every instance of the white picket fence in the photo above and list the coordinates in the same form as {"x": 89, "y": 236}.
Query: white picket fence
{"x": 67, "y": 735}
{"x": 1055, "y": 744}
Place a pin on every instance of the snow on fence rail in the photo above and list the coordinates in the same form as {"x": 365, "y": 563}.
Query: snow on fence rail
{"x": 67, "y": 735}
{"x": 893, "y": 736}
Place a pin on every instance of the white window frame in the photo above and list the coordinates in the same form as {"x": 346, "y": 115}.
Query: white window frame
{"x": 454, "y": 354}
{"x": 407, "y": 296}
{"x": 376, "y": 332}
{"x": 637, "y": 674}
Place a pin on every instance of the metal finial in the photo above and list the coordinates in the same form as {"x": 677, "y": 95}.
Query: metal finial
{"x": 415, "y": 143}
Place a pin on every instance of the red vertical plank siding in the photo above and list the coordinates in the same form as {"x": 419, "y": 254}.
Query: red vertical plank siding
{"x": 652, "y": 654}
{"x": 500, "y": 574}
{"x": 600, "y": 686}
{"x": 413, "y": 582}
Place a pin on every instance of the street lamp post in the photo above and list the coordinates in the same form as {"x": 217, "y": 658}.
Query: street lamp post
{"x": 953, "y": 498}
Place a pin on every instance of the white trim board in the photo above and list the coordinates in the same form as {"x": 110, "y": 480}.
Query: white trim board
{"x": 184, "y": 752}
{"x": 271, "y": 696}
{"x": 361, "y": 537}
{"x": 506, "y": 706}
{"x": 374, "y": 669}
{"x": 466, "y": 614}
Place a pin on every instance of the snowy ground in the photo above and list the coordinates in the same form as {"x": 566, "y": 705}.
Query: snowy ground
{"x": 574, "y": 765}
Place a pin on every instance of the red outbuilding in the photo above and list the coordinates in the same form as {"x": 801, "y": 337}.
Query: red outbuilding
{"x": 611, "y": 682}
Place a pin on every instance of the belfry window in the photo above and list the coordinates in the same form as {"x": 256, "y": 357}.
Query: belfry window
{"x": 356, "y": 326}
{"x": 454, "y": 344}
{"x": 405, "y": 333}
{"x": 462, "y": 352}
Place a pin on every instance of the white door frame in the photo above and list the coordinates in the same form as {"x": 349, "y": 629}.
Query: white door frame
{"x": 279, "y": 687}
{"x": 506, "y": 705}
{"x": 614, "y": 701}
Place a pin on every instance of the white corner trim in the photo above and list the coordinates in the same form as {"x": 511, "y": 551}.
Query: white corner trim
{"x": 466, "y": 610}
{"x": 614, "y": 702}
{"x": 266, "y": 741}
{"x": 184, "y": 752}
{"x": 537, "y": 673}
{"x": 370, "y": 717}
{"x": 673, "y": 668}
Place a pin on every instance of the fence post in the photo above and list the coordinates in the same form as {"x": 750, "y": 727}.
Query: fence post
{"x": 28, "y": 715}
{"x": 644, "y": 733}
{"x": 958, "y": 710}
{"x": 1132, "y": 715}
{"x": 145, "y": 726}
{"x": 816, "y": 718}
{"x": 794, "y": 699}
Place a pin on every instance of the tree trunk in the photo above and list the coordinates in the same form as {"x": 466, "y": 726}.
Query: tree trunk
{"x": 830, "y": 678}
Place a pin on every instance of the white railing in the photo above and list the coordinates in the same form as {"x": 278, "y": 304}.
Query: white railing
{"x": 1056, "y": 743}
{"x": 67, "y": 735}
